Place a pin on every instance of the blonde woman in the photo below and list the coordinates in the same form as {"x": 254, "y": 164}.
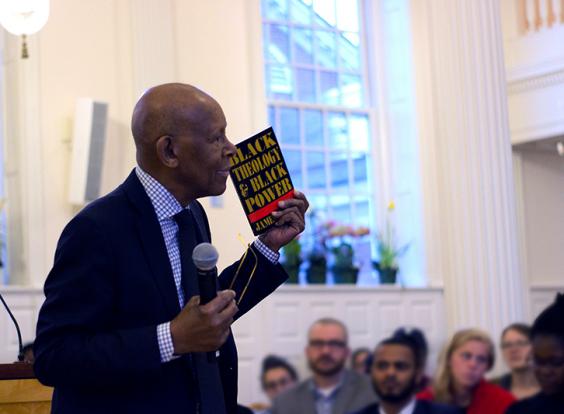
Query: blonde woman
{"x": 460, "y": 376}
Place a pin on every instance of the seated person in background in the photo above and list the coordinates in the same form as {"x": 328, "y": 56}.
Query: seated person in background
{"x": 27, "y": 352}
{"x": 460, "y": 376}
{"x": 277, "y": 376}
{"x": 417, "y": 337}
{"x": 332, "y": 388}
{"x": 516, "y": 351}
{"x": 359, "y": 360}
{"x": 396, "y": 371}
{"x": 547, "y": 336}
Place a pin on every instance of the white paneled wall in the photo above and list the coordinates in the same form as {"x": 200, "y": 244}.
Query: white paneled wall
{"x": 279, "y": 324}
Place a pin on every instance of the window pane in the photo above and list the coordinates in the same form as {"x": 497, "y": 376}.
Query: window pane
{"x": 294, "y": 163}
{"x": 337, "y": 130}
{"x": 279, "y": 82}
{"x": 279, "y": 48}
{"x": 313, "y": 127}
{"x": 360, "y": 172}
{"x": 303, "y": 46}
{"x": 349, "y": 54}
{"x": 362, "y": 212}
{"x": 339, "y": 171}
{"x": 275, "y": 9}
{"x": 289, "y": 126}
{"x": 341, "y": 208}
{"x": 305, "y": 83}
{"x": 347, "y": 15}
{"x": 300, "y": 12}
{"x": 352, "y": 90}
{"x": 315, "y": 165}
{"x": 329, "y": 88}
{"x": 272, "y": 117}
{"x": 324, "y": 12}
{"x": 359, "y": 132}
{"x": 325, "y": 49}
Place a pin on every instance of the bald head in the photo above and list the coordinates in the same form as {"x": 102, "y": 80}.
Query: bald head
{"x": 168, "y": 109}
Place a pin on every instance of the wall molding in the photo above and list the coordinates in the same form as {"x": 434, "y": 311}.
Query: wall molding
{"x": 545, "y": 80}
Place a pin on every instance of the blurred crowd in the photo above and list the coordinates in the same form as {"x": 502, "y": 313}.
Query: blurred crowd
{"x": 392, "y": 377}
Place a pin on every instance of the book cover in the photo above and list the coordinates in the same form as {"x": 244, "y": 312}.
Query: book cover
{"x": 261, "y": 178}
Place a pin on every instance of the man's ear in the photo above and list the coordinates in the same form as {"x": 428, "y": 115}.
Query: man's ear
{"x": 166, "y": 154}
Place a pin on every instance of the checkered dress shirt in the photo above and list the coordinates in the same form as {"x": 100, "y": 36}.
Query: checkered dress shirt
{"x": 166, "y": 206}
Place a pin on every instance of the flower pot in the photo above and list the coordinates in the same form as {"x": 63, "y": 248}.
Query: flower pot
{"x": 345, "y": 275}
{"x": 388, "y": 275}
{"x": 316, "y": 275}
{"x": 293, "y": 273}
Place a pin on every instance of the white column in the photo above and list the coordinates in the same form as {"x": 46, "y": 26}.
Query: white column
{"x": 470, "y": 209}
{"x": 24, "y": 162}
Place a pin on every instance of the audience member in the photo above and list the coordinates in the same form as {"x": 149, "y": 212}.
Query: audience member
{"x": 27, "y": 352}
{"x": 332, "y": 389}
{"x": 396, "y": 372}
{"x": 460, "y": 376}
{"x": 516, "y": 351}
{"x": 277, "y": 376}
{"x": 548, "y": 356}
{"x": 417, "y": 338}
{"x": 359, "y": 360}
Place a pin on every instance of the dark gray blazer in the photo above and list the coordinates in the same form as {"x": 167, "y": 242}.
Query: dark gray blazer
{"x": 355, "y": 392}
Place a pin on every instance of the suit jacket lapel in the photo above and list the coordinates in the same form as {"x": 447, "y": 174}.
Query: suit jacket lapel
{"x": 151, "y": 237}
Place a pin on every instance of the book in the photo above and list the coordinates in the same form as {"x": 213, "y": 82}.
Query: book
{"x": 261, "y": 178}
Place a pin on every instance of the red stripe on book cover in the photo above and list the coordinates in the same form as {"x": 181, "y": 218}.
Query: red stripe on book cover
{"x": 269, "y": 208}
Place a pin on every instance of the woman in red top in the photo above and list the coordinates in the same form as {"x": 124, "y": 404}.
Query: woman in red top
{"x": 460, "y": 376}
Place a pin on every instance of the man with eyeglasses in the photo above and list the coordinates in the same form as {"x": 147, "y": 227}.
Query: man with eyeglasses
{"x": 332, "y": 389}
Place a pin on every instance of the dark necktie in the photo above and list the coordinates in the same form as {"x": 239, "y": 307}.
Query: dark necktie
{"x": 207, "y": 374}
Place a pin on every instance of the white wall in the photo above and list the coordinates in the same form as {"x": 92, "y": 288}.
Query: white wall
{"x": 543, "y": 192}
{"x": 111, "y": 50}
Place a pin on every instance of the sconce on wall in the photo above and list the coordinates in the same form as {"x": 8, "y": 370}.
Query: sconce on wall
{"x": 24, "y": 17}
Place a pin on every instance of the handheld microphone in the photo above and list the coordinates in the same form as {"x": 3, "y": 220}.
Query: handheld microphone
{"x": 20, "y": 352}
{"x": 205, "y": 258}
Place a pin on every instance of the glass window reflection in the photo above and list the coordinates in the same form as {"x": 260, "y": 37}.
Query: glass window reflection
{"x": 313, "y": 127}
{"x": 289, "y": 126}
{"x": 315, "y": 166}
{"x": 337, "y": 130}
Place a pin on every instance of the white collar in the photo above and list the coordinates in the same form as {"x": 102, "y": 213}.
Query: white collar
{"x": 408, "y": 409}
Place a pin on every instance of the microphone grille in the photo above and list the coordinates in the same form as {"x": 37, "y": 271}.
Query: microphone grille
{"x": 205, "y": 256}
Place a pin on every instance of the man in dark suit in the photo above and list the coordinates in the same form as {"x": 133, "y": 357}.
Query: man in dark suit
{"x": 396, "y": 371}
{"x": 121, "y": 329}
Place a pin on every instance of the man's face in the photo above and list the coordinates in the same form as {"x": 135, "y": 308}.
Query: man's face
{"x": 276, "y": 381}
{"x": 327, "y": 349}
{"x": 394, "y": 375}
{"x": 548, "y": 355}
{"x": 204, "y": 151}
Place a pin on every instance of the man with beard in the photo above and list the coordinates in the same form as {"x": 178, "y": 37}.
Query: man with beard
{"x": 396, "y": 371}
{"x": 332, "y": 389}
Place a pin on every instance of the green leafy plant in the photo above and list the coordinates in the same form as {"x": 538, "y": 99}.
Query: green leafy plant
{"x": 292, "y": 260}
{"x": 388, "y": 253}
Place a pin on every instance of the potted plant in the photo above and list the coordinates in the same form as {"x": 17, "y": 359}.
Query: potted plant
{"x": 388, "y": 253}
{"x": 316, "y": 272}
{"x": 343, "y": 269}
{"x": 292, "y": 260}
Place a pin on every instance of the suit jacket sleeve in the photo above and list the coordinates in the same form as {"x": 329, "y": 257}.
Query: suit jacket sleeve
{"x": 252, "y": 284}
{"x": 77, "y": 342}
